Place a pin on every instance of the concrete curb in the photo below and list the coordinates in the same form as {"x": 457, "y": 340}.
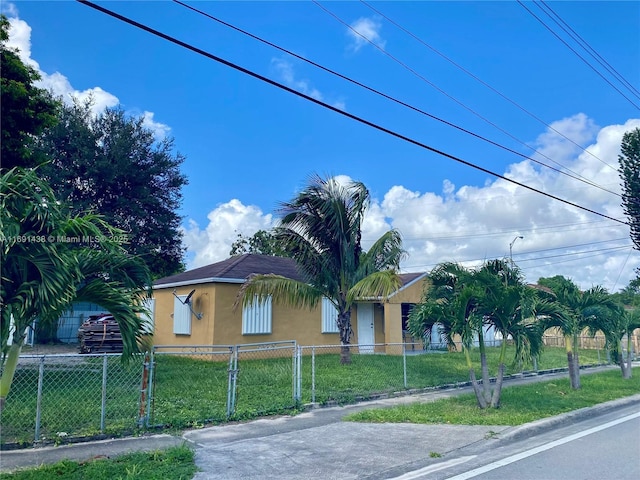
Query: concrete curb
{"x": 545, "y": 424}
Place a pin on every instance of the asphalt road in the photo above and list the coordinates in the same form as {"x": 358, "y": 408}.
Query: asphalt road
{"x": 602, "y": 447}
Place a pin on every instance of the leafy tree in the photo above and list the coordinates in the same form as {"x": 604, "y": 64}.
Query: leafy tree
{"x": 589, "y": 310}
{"x": 464, "y": 303}
{"x": 45, "y": 266}
{"x": 25, "y": 109}
{"x": 262, "y": 242}
{"x": 112, "y": 165}
{"x": 630, "y": 174}
{"x": 321, "y": 230}
{"x": 629, "y": 295}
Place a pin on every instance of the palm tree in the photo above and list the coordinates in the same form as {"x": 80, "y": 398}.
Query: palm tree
{"x": 622, "y": 323}
{"x": 590, "y": 309}
{"x": 321, "y": 229}
{"x": 466, "y": 302}
{"x": 50, "y": 259}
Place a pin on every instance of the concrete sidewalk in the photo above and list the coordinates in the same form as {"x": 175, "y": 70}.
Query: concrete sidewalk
{"x": 314, "y": 444}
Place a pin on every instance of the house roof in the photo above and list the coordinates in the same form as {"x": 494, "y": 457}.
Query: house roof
{"x": 238, "y": 268}
{"x": 235, "y": 269}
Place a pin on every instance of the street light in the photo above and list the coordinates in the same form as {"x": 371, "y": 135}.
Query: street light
{"x": 511, "y": 248}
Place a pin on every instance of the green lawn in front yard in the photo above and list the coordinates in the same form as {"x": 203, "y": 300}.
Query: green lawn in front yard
{"x": 519, "y": 404}
{"x": 190, "y": 393}
{"x": 175, "y": 463}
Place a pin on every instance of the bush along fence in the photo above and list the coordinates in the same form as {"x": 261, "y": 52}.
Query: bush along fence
{"x": 63, "y": 398}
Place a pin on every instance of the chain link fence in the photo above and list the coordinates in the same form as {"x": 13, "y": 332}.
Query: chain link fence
{"x": 56, "y": 398}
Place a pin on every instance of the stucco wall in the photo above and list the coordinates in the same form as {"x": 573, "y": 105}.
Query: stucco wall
{"x": 202, "y": 330}
{"x": 221, "y": 324}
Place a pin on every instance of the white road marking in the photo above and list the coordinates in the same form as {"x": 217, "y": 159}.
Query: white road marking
{"x": 541, "y": 448}
{"x": 433, "y": 468}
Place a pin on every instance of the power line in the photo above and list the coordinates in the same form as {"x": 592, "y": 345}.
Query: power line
{"x": 331, "y": 107}
{"x": 575, "y": 176}
{"x": 578, "y": 55}
{"x": 443, "y": 92}
{"x": 478, "y": 79}
{"x": 585, "y": 45}
{"x": 597, "y": 252}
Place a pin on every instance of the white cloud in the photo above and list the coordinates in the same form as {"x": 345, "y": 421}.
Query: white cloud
{"x": 363, "y": 31}
{"x": 285, "y": 71}
{"x": 472, "y": 223}
{"x": 160, "y": 130}
{"x": 226, "y": 221}
{"x": 59, "y": 84}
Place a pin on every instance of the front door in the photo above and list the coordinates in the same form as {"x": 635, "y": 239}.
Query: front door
{"x": 366, "y": 333}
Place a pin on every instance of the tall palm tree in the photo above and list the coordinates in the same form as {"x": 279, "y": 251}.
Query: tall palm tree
{"x": 321, "y": 229}
{"x": 466, "y": 302}
{"x": 50, "y": 259}
{"x": 588, "y": 310}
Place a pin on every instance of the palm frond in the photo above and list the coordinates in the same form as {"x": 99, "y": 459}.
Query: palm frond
{"x": 281, "y": 289}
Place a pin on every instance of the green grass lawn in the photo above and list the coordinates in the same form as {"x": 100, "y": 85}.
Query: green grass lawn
{"x": 519, "y": 404}
{"x": 175, "y": 463}
{"x": 191, "y": 392}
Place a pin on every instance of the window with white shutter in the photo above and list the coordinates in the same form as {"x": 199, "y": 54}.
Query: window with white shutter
{"x": 329, "y": 317}
{"x": 148, "y": 318}
{"x": 256, "y": 317}
{"x": 181, "y": 316}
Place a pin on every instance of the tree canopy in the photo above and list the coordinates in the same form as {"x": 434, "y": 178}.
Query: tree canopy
{"x": 111, "y": 164}
{"x": 25, "y": 109}
{"x": 630, "y": 173}
{"x": 263, "y": 242}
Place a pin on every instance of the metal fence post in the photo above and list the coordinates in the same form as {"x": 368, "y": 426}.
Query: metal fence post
{"x": 294, "y": 382}
{"x": 39, "y": 398}
{"x": 233, "y": 375}
{"x": 313, "y": 374}
{"x": 299, "y": 375}
{"x": 404, "y": 363}
{"x": 150, "y": 386}
{"x": 103, "y": 405}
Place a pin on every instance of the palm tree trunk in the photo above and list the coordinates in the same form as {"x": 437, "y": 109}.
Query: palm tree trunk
{"x": 482, "y": 402}
{"x": 574, "y": 377}
{"x": 485, "y": 368}
{"x": 9, "y": 369}
{"x": 626, "y": 365}
{"x": 497, "y": 390}
{"x": 344, "y": 325}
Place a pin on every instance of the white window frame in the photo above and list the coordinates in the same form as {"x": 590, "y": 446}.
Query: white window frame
{"x": 257, "y": 317}
{"x": 181, "y": 316}
{"x": 329, "y": 317}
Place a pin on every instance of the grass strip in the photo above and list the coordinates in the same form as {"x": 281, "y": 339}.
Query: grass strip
{"x": 519, "y": 404}
{"x": 176, "y": 463}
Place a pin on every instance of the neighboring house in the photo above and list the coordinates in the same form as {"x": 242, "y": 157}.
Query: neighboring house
{"x": 209, "y": 316}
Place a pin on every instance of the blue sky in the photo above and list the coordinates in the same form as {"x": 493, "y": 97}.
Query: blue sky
{"x": 249, "y": 145}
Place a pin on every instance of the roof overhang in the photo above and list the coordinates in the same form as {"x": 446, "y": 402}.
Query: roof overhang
{"x": 200, "y": 281}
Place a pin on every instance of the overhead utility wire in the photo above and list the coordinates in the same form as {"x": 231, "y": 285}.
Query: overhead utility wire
{"x": 585, "y": 45}
{"x": 594, "y": 253}
{"x": 575, "y": 176}
{"x": 478, "y": 79}
{"x": 331, "y": 107}
{"x": 433, "y": 85}
{"x": 578, "y": 55}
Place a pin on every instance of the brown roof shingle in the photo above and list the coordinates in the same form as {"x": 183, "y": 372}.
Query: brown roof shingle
{"x": 238, "y": 267}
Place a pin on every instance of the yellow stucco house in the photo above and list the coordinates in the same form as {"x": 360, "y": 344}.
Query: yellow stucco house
{"x": 196, "y": 307}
